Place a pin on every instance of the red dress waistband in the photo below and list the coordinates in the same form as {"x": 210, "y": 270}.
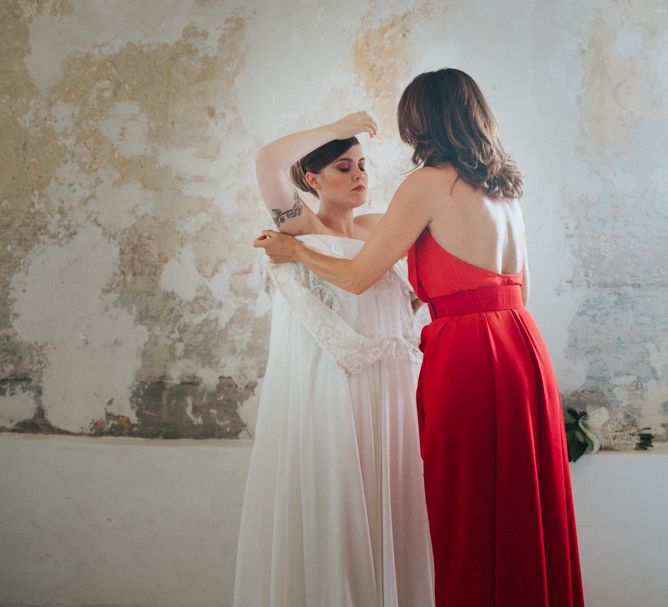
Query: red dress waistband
{"x": 484, "y": 299}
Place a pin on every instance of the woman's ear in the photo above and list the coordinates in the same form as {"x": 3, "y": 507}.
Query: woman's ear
{"x": 313, "y": 180}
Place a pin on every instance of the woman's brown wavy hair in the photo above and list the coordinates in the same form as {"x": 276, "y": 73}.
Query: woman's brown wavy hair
{"x": 444, "y": 117}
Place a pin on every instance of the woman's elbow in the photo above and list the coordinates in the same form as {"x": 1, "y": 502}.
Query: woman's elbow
{"x": 262, "y": 158}
{"x": 267, "y": 161}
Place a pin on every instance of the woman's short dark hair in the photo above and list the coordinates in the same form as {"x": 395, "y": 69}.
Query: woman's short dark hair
{"x": 444, "y": 117}
{"x": 317, "y": 160}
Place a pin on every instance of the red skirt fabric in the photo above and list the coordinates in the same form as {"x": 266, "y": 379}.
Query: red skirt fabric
{"x": 492, "y": 436}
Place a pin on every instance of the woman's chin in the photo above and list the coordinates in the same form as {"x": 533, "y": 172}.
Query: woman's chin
{"x": 359, "y": 199}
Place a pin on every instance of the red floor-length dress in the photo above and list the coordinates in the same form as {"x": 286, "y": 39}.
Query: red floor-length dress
{"x": 492, "y": 436}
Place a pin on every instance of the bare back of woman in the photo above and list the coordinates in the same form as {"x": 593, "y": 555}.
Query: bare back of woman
{"x": 483, "y": 232}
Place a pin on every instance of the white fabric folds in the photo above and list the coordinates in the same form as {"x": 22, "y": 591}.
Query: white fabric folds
{"x": 334, "y": 512}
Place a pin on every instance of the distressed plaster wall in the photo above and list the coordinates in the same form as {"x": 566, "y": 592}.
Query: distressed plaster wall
{"x": 130, "y": 298}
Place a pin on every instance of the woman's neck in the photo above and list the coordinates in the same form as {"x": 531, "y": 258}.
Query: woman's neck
{"x": 337, "y": 219}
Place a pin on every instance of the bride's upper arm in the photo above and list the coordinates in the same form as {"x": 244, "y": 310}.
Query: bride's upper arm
{"x": 289, "y": 212}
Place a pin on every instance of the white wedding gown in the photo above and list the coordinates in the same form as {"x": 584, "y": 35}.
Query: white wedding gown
{"x": 334, "y": 511}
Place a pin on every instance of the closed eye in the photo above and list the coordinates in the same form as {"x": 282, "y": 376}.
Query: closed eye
{"x": 345, "y": 168}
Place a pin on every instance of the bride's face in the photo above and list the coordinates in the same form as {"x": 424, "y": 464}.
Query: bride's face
{"x": 343, "y": 181}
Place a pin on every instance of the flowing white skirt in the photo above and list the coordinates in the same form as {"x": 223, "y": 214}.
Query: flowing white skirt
{"x": 334, "y": 512}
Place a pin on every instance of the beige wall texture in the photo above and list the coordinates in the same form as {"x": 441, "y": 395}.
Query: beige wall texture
{"x": 131, "y": 301}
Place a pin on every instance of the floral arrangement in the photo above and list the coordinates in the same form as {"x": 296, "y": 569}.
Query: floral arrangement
{"x": 591, "y": 430}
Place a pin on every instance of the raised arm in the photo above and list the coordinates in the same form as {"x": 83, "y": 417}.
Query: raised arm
{"x": 409, "y": 213}
{"x": 274, "y": 160}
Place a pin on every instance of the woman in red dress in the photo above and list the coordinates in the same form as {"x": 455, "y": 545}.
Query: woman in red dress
{"x": 496, "y": 472}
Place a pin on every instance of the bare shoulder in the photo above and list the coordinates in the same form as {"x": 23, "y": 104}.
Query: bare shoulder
{"x": 426, "y": 178}
{"x": 368, "y": 220}
{"x": 424, "y": 191}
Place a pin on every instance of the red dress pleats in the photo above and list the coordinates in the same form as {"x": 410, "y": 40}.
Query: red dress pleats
{"x": 492, "y": 436}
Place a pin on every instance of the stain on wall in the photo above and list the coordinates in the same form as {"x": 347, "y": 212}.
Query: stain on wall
{"x": 124, "y": 308}
{"x": 131, "y": 302}
{"x": 383, "y": 58}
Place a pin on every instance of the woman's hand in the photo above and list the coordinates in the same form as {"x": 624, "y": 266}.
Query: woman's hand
{"x": 353, "y": 124}
{"x": 280, "y": 247}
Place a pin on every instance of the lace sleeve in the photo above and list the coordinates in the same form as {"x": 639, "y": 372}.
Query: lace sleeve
{"x": 316, "y": 306}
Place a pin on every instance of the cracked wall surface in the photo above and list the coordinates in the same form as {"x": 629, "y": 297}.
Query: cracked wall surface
{"x": 131, "y": 301}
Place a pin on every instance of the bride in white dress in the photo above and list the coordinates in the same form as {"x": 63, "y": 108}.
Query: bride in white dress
{"x": 334, "y": 512}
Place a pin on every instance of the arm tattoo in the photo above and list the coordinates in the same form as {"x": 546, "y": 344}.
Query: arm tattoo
{"x": 281, "y": 216}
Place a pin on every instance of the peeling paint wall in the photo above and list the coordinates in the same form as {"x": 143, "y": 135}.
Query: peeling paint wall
{"x": 130, "y": 297}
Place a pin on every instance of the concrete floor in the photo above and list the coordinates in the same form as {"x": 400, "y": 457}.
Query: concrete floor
{"x": 145, "y": 523}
